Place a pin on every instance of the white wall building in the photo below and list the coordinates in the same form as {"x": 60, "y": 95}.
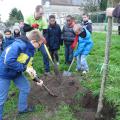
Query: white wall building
{"x": 61, "y": 8}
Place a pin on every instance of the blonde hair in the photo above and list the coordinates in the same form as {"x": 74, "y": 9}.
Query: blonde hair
{"x": 35, "y": 35}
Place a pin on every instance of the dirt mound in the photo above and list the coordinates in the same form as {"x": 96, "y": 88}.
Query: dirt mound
{"x": 64, "y": 91}
{"x": 83, "y": 108}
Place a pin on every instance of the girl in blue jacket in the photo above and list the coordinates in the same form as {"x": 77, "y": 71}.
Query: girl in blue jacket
{"x": 85, "y": 45}
{"x": 14, "y": 60}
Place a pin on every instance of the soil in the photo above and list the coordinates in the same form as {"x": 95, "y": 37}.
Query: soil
{"x": 66, "y": 92}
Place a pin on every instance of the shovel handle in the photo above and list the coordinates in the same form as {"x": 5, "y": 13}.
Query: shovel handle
{"x": 71, "y": 64}
{"x": 48, "y": 54}
{"x": 36, "y": 79}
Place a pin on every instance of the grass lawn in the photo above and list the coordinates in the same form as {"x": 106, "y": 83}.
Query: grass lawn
{"x": 91, "y": 81}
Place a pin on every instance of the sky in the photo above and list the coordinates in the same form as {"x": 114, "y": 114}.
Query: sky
{"x": 26, "y": 6}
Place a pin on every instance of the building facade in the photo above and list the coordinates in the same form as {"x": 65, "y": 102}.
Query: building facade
{"x": 61, "y": 8}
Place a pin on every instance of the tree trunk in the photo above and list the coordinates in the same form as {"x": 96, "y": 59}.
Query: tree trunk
{"x": 105, "y": 69}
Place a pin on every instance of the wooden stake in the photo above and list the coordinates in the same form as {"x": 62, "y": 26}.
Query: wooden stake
{"x": 105, "y": 68}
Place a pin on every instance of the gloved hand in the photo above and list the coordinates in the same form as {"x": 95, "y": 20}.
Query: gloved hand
{"x": 35, "y": 25}
{"x": 31, "y": 72}
{"x": 40, "y": 83}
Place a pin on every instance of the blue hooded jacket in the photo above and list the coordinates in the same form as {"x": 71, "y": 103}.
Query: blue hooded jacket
{"x": 84, "y": 44}
{"x": 8, "y": 41}
{"x": 15, "y": 58}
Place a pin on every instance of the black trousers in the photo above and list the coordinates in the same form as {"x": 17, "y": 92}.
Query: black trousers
{"x": 54, "y": 55}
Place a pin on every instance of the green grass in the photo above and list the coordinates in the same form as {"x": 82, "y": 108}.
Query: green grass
{"x": 91, "y": 81}
{"x": 95, "y": 59}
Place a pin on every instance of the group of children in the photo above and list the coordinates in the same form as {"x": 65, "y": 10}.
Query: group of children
{"x": 18, "y": 50}
{"x": 55, "y": 37}
{"x": 9, "y": 37}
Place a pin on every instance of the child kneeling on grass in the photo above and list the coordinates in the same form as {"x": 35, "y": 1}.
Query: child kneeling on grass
{"x": 14, "y": 60}
{"x": 85, "y": 45}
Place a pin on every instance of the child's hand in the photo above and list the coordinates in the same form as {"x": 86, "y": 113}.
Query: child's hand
{"x": 31, "y": 72}
{"x": 0, "y": 42}
{"x": 40, "y": 83}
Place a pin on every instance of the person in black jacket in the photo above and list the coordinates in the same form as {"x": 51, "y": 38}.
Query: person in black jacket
{"x": 87, "y": 23}
{"x": 54, "y": 38}
{"x": 68, "y": 36}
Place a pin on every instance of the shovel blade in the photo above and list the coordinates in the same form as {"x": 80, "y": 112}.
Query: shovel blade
{"x": 66, "y": 73}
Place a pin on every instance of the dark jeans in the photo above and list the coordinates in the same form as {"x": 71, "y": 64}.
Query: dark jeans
{"x": 45, "y": 58}
{"x": 54, "y": 55}
{"x": 68, "y": 54}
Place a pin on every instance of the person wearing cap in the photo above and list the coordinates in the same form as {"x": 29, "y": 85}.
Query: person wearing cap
{"x": 38, "y": 21}
{"x": 9, "y": 39}
{"x": 16, "y": 59}
{"x": 16, "y": 30}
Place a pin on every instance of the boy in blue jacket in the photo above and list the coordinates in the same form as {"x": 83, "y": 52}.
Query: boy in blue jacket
{"x": 8, "y": 38}
{"x": 85, "y": 44}
{"x": 54, "y": 38}
{"x": 15, "y": 59}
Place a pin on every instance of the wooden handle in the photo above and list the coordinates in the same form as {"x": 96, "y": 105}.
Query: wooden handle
{"x": 71, "y": 64}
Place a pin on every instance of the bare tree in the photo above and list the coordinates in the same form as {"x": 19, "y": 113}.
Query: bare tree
{"x": 90, "y": 5}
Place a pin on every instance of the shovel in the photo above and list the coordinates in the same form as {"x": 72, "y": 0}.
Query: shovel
{"x": 36, "y": 79}
{"x": 57, "y": 73}
{"x": 68, "y": 73}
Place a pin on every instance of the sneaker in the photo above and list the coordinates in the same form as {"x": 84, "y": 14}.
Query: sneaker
{"x": 28, "y": 109}
{"x": 58, "y": 63}
{"x": 47, "y": 73}
{"x": 85, "y": 72}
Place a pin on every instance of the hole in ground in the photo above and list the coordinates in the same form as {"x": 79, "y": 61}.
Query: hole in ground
{"x": 86, "y": 107}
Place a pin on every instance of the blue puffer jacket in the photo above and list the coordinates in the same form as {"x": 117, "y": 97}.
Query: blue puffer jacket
{"x": 15, "y": 58}
{"x": 54, "y": 37}
{"x": 84, "y": 45}
{"x": 8, "y": 41}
